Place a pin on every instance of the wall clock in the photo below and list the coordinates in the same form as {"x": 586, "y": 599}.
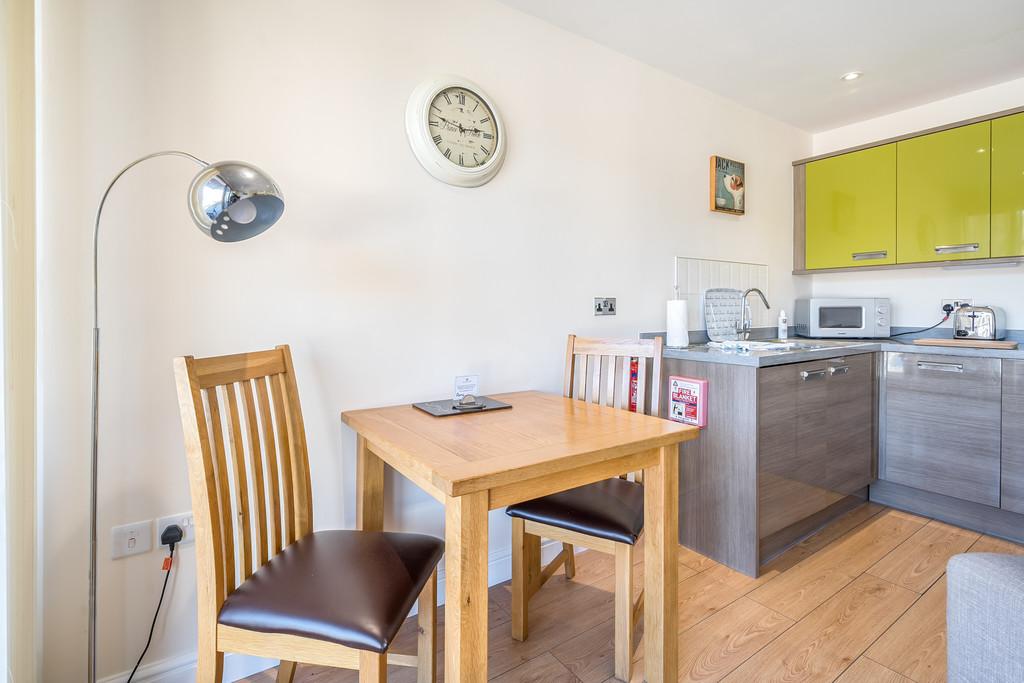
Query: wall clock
{"x": 455, "y": 131}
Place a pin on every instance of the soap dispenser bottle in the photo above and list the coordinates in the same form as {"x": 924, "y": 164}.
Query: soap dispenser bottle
{"x": 783, "y": 325}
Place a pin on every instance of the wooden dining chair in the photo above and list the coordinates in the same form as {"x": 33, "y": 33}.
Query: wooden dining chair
{"x": 606, "y": 516}
{"x": 267, "y": 584}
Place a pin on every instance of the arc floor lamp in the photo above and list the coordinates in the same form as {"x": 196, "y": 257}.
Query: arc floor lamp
{"x": 230, "y": 201}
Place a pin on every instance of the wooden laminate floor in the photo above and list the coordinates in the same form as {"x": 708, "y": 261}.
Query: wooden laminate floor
{"x": 863, "y": 600}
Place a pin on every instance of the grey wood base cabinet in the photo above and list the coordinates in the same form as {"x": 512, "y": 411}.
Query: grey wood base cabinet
{"x": 787, "y": 448}
{"x": 942, "y": 424}
{"x": 953, "y": 440}
{"x": 1013, "y": 437}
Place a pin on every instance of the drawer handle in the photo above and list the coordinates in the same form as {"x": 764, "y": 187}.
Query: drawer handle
{"x": 839, "y": 370}
{"x": 811, "y": 374}
{"x": 957, "y": 248}
{"x": 869, "y": 255}
{"x": 942, "y": 367}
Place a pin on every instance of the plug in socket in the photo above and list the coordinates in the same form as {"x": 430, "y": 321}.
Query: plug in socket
{"x": 184, "y": 520}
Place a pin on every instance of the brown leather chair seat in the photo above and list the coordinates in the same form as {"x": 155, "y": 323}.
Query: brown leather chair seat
{"x": 612, "y": 509}
{"x": 354, "y": 588}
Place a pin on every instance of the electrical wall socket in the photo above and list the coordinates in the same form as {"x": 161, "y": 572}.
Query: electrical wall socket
{"x": 184, "y": 520}
{"x": 604, "y": 305}
{"x": 957, "y": 303}
{"x": 131, "y": 539}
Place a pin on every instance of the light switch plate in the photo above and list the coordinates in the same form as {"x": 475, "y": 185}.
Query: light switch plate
{"x": 131, "y": 539}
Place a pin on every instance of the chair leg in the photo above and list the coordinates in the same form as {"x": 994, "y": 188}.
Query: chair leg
{"x": 426, "y": 642}
{"x": 570, "y": 561}
{"x": 210, "y": 666}
{"x": 373, "y": 667}
{"x": 623, "y": 611}
{"x": 285, "y": 672}
{"x": 520, "y": 579}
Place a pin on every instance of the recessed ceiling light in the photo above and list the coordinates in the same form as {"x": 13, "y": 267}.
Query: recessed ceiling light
{"x": 851, "y": 76}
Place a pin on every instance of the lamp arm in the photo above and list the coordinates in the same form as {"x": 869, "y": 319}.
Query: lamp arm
{"x": 94, "y": 467}
{"x": 99, "y": 214}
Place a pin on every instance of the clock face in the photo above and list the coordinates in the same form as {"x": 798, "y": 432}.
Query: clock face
{"x": 462, "y": 127}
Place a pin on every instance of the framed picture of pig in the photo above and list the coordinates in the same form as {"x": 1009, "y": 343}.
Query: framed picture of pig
{"x": 728, "y": 186}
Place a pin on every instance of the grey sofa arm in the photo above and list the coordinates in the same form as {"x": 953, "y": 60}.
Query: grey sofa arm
{"x": 985, "y": 618}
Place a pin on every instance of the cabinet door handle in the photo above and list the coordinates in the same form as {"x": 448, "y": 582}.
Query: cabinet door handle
{"x": 957, "y": 248}
{"x": 811, "y": 374}
{"x": 942, "y": 367}
{"x": 839, "y": 370}
{"x": 869, "y": 255}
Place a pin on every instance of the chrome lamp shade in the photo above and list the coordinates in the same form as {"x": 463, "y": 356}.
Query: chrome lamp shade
{"x": 232, "y": 201}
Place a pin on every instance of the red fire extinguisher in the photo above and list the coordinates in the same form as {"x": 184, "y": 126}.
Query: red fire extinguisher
{"x": 634, "y": 371}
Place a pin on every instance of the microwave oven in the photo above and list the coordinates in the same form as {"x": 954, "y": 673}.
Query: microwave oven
{"x": 840, "y": 318}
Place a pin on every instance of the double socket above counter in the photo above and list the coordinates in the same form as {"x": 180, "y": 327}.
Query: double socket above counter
{"x": 952, "y": 194}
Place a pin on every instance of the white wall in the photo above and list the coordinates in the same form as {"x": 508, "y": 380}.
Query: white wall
{"x": 605, "y": 180}
{"x": 917, "y": 293}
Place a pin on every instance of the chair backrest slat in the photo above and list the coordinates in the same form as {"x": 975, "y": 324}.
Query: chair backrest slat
{"x": 592, "y": 365}
{"x": 227, "y": 566}
{"x": 641, "y": 384}
{"x": 258, "y": 485}
{"x": 595, "y": 385}
{"x": 297, "y": 434}
{"x": 624, "y": 386}
{"x": 240, "y": 467}
{"x": 248, "y": 465}
{"x": 284, "y": 455}
{"x": 273, "y": 479}
{"x": 609, "y": 390}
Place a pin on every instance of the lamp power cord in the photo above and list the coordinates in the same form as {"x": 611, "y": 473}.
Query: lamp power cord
{"x": 171, "y": 536}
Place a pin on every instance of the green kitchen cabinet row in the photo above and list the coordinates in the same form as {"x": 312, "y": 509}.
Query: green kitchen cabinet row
{"x": 952, "y": 195}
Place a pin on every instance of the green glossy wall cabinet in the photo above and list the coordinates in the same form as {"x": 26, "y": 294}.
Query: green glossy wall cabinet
{"x": 943, "y": 193}
{"x": 851, "y": 209}
{"x": 1008, "y": 186}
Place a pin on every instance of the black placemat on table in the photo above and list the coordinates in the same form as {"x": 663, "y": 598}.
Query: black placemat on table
{"x": 446, "y": 407}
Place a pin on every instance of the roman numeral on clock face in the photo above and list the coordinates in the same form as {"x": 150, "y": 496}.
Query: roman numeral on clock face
{"x": 485, "y": 119}
{"x": 437, "y": 139}
{"x": 446, "y": 98}
{"x": 488, "y": 136}
{"x": 484, "y": 150}
{"x": 448, "y": 153}
{"x": 462, "y": 98}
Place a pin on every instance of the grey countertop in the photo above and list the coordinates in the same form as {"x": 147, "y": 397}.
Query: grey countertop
{"x": 821, "y": 349}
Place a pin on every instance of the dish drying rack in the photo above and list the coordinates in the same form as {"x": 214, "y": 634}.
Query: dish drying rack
{"x": 724, "y": 312}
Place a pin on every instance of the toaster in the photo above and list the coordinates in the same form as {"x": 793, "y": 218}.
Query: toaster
{"x": 978, "y": 322}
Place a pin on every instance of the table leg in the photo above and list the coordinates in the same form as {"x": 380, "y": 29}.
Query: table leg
{"x": 369, "y": 488}
{"x": 661, "y": 538}
{"x": 465, "y": 623}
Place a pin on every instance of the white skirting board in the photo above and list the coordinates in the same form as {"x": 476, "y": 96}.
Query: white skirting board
{"x": 182, "y": 668}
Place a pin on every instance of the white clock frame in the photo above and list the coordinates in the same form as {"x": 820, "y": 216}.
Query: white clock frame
{"x": 426, "y": 152}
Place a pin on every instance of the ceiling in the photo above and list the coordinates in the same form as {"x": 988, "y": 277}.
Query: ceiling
{"x": 785, "y": 57}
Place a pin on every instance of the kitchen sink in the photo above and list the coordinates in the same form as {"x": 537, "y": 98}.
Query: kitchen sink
{"x": 763, "y": 345}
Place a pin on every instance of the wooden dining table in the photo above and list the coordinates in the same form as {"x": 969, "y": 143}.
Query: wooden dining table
{"x": 545, "y": 443}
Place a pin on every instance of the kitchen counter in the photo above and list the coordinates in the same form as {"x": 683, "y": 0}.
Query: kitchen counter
{"x": 821, "y": 349}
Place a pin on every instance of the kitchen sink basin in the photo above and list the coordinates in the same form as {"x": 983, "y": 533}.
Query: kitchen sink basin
{"x": 763, "y": 345}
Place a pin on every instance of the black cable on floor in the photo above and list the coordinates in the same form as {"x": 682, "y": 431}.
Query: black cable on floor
{"x": 152, "y": 627}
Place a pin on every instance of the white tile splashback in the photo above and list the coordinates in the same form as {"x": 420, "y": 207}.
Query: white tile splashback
{"x": 695, "y": 275}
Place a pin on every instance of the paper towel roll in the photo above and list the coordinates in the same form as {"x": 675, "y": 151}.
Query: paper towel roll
{"x": 675, "y": 324}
